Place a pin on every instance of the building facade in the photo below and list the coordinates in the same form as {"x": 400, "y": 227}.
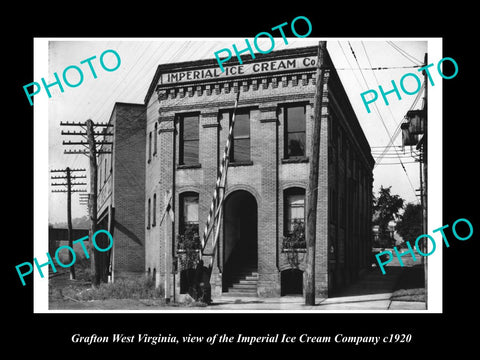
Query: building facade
{"x": 189, "y": 108}
{"x": 121, "y": 189}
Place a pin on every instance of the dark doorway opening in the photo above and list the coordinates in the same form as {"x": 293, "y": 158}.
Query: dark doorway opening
{"x": 240, "y": 250}
{"x": 186, "y": 280}
{"x": 291, "y": 282}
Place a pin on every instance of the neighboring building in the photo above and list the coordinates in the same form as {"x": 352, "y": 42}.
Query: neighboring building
{"x": 59, "y": 237}
{"x": 121, "y": 189}
{"x": 189, "y": 109}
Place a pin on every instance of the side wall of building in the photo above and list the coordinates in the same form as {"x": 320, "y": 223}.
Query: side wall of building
{"x": 129, "y": 190}
{"x": 350, "y": 187}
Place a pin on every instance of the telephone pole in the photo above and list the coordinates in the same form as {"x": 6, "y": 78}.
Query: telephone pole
{"x": 312, "y": 192}
{"x": 424, "y": 155}
{"x": 68, "y": 178}
{"x": 98, "y": 263}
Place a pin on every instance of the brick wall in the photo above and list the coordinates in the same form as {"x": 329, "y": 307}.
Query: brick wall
{"x": 129, "y": 189}
{"x": 266, "y": 177}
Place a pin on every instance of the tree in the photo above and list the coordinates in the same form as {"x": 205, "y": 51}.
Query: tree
{"x": 386, "y": 208}
{"x": 409, "y": 227}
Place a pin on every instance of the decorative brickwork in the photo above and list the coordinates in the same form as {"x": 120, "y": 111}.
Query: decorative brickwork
{"x": 266, "y": 176}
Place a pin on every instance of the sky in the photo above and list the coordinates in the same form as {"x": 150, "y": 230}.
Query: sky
{"x": 94, "y": 98}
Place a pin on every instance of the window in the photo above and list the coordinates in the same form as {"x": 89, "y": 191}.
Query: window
{"x": 150, "y": 146}
{"x": 154, "y": 211}
{"x": 188, "y": 213}
{"x": 294, "y": 208}
{"x": 189, "y": 140}
{"x": 148, "y": 214}
{"x": 294, "y": 131}
{"x": 240, "y": 146}
{"x": 105, "y": 170}
{"x": 99, "y": 176}
{"x": 155, "y": 139}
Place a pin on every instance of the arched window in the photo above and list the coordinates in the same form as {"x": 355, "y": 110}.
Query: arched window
{"x": 294, "y": 219}
{"x": 294, "y": 201}
{"x": 188, "y": 212}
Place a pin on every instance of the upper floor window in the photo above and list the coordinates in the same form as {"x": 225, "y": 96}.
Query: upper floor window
{"x": 105, "y": 170}
{"x": 155, "y": 135}
{"x": 240, "y": 145}
{"x": 149, "y": 209}
{"x": 189, "y": 140}
{"x": 154, "y": 210}
{"x": 149, "y": 146}
{"x": 295, "y": 121}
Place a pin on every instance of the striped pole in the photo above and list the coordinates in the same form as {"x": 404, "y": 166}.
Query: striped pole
{"x": 217, "y": 200}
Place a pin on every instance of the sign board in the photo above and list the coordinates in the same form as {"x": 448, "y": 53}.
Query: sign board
{"x": 270, "y": 66}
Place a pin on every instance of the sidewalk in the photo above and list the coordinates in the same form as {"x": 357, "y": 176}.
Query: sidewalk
{"x": 372, "y": 292}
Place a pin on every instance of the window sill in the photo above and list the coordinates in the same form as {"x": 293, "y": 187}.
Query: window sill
{"x": 296, "y": 160}
{"x": 240, "y": 163}
{"x": 294, "y": 250}
{"x": 184, "y": 251}
{"x": 189, "y": 166}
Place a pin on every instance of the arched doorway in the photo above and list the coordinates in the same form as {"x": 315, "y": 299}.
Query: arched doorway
{"x": 240, "y": 245}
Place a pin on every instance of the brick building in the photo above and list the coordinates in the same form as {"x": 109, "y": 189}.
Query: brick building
{"x": 189, "y": 109}
{"x": 121, "y": 189}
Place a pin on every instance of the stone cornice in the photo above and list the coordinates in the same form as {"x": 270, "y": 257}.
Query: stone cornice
{"x": 226, "y": 86}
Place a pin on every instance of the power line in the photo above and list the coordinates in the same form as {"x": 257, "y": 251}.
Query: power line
{"x": 381, "y": 118}
{"x": 381, "y": 67}
{"x": 405, "y": 54}
{"x": 400, "y": 163}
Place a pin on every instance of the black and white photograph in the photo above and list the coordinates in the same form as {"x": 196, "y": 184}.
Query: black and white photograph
{"x": 202, "y": 172}
{"x": 283, "y": 186}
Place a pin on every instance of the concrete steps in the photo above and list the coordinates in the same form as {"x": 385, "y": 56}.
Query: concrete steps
{"x": 243, "y": 284}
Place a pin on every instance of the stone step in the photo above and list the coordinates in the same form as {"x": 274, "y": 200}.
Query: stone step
{"x": 236, "y": 277}
{"x": 243, "y": 286}
{"x": 242, "y": 291}
{"x": 246, "y": 272}
{"x": 239, "y": 294}
{"x": 245, "y": 281}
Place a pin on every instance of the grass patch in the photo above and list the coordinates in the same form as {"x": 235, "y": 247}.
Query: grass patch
{"x": 120, "y": 289}
{"x": 417, "y": 294}
{"x": 411, "y": 285}
{"x": 66, "y": 293}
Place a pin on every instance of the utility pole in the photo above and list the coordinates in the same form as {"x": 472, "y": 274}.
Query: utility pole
{"x": 92, "y": 208}
{"x": 424, "y": 154}
{"x": 98, "y": 263}
{"x": 69, "y": 177}
{"x": 312, "y": 193}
